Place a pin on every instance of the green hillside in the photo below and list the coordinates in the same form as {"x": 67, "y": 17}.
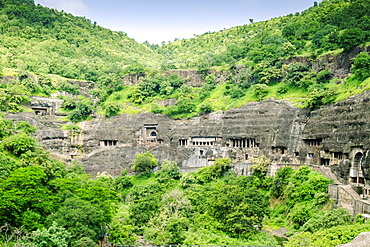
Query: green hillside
{"x": 44, "y": 202}
{"x": 47, "y": 41}
{"x": 262, "y": 61}
{"x": 273, "y": 58}
{"x": 328, "y": 26}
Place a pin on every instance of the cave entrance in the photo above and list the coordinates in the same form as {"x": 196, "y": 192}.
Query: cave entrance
{"x": 355, "y": 171}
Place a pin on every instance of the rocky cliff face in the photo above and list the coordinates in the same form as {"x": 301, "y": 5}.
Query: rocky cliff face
{"x": 333, "y": 140}
{"x": 338, "y": 64}
{"x": 335, "y": 137}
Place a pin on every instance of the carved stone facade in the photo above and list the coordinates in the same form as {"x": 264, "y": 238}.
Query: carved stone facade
{"x": 45, "y": 106}
{"x": 333, "y": 140}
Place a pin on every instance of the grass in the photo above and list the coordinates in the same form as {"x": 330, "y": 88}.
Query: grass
{"x": 351, "y": 86}
{"x": 334, "y": 52}
{"x": 131, "y": 110}
{"x": 142, "y": 180}
{"x": 220, "y": 101}
{"x": 9, "y": 72}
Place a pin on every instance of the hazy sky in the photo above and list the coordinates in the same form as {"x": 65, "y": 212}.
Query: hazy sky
{"x": 165, "y": 20}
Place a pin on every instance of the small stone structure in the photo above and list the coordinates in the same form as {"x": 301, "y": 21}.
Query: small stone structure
{"x": 45, "y": 106}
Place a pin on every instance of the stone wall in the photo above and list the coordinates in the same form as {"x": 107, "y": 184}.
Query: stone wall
{"x": 336, "y": 138}
{"x": 345, "y": 196}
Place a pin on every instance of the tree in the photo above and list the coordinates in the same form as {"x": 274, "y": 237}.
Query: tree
{"x": 281, "y": 180}
{"x": 144, "y": 201}
{"x": 185, "y": 105}
{"x": 333, "y": 236}
{"x": 121, "y": 230}
{"x": 6, "y": 128}
{"x": 217, "y": 170}
{"x": 361, "y": 65}
{"x": 82, "y": 111}
{"x": 335, "y": 217}
{"x": 54, "y": 236}
{"x": 324, "y": 76}
{"x": 111, "y": 109}
{"x": 175, "y": 80}
{"x": 69, "y": 103}
{"x": 68, "y": 87}
{"x": 170, "y": 225}
{"x": 25, "y": 189}
{"x": 298, "y": 75}
{"x": 351, "y": 38}
{"x": 260, "y": 165}
{"x": 206, "y": 107}
{"x": 7, "y": 165}
{"x": 300, "y": 214}
{"x": 80, "y": 217}
{"x": 25, "y": 127}
{"x": 169, "y": 170}
{"x": 19, "y": 144}
{"x": 320, "y": 96}
{"x": 144, "y": 163}
{"x": 239, "y": 210}
{"x": 135, "y": 68}
{"x": 260, "y": 90}
{"x": 123, "y": 182}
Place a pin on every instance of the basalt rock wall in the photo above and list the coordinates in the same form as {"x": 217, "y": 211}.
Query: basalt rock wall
{"x": 335, "y": 137}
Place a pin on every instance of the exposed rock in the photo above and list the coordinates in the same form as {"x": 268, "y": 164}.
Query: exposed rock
{"x": 45, "y": 106}
{"x": 331, "y": 136}
{"x": 132, "y": 79}
{"x": 332, "y": 140}
{"x": 362, "y": 240}
{"x": 338, "y": 64}
{"x": 192, "y": 77}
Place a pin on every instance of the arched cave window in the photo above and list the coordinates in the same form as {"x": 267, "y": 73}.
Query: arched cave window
{"x": 357, "y": 160}
{"x": 153, "y": 134}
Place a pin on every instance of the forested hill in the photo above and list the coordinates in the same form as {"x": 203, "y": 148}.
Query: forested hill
{"x": 247, "y": 63}
{"x": 74, "y": 47}
{"x": 328, "y": 26}
{"x": 43, "y": 40}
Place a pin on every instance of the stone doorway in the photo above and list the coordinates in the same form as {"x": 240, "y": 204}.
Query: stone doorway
{"x": 355, "y": 170}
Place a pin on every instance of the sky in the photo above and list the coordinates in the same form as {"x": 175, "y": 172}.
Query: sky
{"x": 167, "y": 20}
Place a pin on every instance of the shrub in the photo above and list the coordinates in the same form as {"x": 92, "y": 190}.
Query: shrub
{"x": 336, "y": 217}
{"x": 19, "y": 144}
{"x": 68, "y": 87}
{"x": 169, "y": 170}
{"x": 111, "y": 109}
{"x": 144, "y": 163}
{"x": 361, "y": 65}
{"x": 323, "y": 76}
{"x": 69, "y": 103}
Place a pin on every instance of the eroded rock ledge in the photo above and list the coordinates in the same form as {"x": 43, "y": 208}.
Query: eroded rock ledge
{"x": 333, "y": 140}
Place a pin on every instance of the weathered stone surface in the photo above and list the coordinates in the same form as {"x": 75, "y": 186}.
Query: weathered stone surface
{"x": 338, "y": 64}
{"x": 362, "y": 240}
{"x": 132, "y": 79}
{"x": 331, "y": 136}
{"x": 332, "y": 140}
{"x": 193, "y": 78}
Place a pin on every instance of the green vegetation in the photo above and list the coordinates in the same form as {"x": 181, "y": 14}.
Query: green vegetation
{"x": 274, "y": 58}
{"x": 44, "y": 202}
